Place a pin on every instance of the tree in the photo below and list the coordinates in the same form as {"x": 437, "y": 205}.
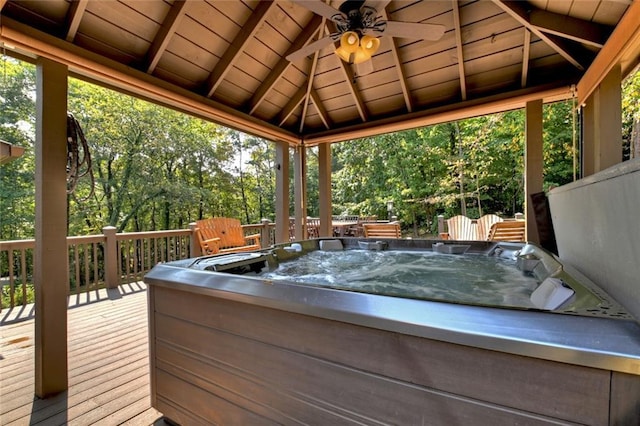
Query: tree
{"x": 631, "y": 116}
{"x": 155, "y": 168}
{"x": 17, "y": 124}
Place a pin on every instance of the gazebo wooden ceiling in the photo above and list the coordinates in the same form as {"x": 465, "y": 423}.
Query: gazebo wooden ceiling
{"x": 225, "y": 60}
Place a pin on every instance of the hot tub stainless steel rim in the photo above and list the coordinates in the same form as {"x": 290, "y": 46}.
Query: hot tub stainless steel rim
{"x": 597, "y": 341}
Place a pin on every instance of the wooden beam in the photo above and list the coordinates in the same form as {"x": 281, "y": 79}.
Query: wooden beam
{"x": 162, "y": 38}
{"x": 525, "y": 58}
{"x": 311, "y": 76}
{"x": 349, "y": 80}
{"x": 322, "y": 112}
{"x": 472, "y": 108}
{"x": 117, "y": 76}
{"x": 248, "y": 30}
{"x": 622, "y": 48}
{"x": 402, "y": 79}
{"x": 307, "y": 97}
{"x": 281, "y": 67}
{"x": 74, "y": 16}
{"x": 353, "y": 90}
{"x": 572, "y": 28}
{"x": 520, "y": 13}
{"x": 458, "y": 31}
{"x": 291, "y": 106}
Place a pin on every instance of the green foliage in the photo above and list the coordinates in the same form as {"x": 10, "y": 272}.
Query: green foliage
{"x": 20, "y": 297}
{"x": 631, "y": 116}
{"x": 472, "y": 166}
{"x": 17, "y": 208}
{"x": 156, "y": 168}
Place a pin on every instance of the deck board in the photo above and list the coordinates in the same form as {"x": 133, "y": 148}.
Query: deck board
{"x": 108, "y": 364}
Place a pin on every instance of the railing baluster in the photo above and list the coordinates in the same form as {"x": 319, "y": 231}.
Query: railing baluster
{"x": 76, "y": 259}
{"x": 94, "y": 266}
{"x": 23, "y": 275}
{"x": 12, "y": 297}
{"x": 129, "y": 255}
{"x": 87, "y": 268}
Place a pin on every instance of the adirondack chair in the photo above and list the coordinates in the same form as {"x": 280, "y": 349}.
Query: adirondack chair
{"x": 508, "y": 230}
{"x": 224, "y": 235}
{"x": 381, "y": 230}
{"x": 313, "y": 227}
{"x": 357, "y": 230}
{"x": 461, "y": 228}
{"x": 484, "y": 225}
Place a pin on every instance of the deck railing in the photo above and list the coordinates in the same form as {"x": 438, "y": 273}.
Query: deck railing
{"x": 105, "y": 260}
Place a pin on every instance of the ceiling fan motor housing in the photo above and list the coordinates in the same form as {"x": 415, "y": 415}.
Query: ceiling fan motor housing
{"x": 351, "y": 9}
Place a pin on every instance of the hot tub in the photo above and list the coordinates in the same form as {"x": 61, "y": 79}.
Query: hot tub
{"x": 236, "y": 340}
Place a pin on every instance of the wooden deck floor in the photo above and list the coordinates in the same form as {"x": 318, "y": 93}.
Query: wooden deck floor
{"x": 108, "y": 364}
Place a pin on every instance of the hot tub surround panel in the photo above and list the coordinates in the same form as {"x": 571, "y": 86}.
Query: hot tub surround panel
{"x": 228, "y": 362}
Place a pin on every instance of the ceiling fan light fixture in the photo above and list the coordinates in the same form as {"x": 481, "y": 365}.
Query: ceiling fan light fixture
{"x": 349, "y": 42}
{"x": 368, "y": 47}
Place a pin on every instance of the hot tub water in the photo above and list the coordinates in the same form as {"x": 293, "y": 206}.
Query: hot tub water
{"x": 470, "y": 279}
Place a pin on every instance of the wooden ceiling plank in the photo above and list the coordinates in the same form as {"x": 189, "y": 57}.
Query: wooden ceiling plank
{"x": 572, "y": 28}
{"x": 167, "y": 30}
{"x": 281, "y": 67}
{"x": 458, "y": 31}
{"x": 519, "y": 12}
{"x": 525, "y": 58}
{"x": 249, "y": 29}
{"x": 322, "y": 112}
{"x": 74, "y": 16}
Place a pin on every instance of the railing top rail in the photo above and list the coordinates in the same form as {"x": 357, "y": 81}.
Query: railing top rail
{"x": 153, "y": 234}
{"x": 85, "y": 239}
{"x": 30, "y": 243}
{"x": 17, "y": 244}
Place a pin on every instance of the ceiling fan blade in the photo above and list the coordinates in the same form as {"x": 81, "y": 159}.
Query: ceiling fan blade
{"x": 378, "y": 5}
{"x": 414, "y": 30}
{"x": 364, "y": 68}
{"x": 310, "y": 49}
{"x": 318, "y": 7}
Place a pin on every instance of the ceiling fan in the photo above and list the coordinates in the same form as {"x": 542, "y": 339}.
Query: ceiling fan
{"x": 359, "y": 26}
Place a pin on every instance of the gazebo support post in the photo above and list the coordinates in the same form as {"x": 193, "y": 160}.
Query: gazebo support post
{"x": 51, "y": 274}
{"x": 533, "y": 164}
{"x": 282, "y": 192}
{"x": 324, "y": 163}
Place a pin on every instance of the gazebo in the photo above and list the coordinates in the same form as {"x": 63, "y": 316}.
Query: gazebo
{"x": 235, "y": 63}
